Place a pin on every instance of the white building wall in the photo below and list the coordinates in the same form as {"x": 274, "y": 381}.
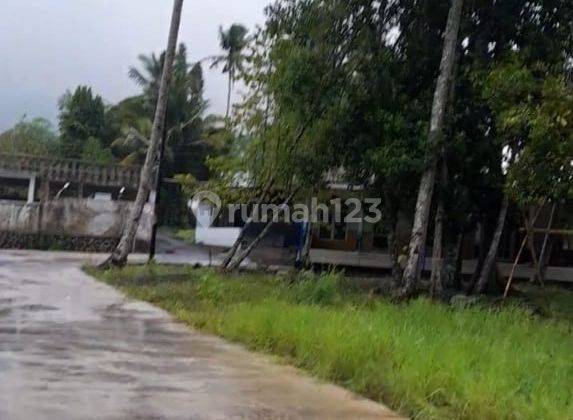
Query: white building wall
{"x": 212, "y": 236}
{"x": 206, "y": 234}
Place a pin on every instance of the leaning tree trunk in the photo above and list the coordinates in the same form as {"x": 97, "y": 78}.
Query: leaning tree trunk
{"x": 491, "y": 257}
{"x": 125, "y": 246}
{"x": 421, "y": 218}
{"x": 231, "y": 254}
{"x": 236, "y": 263}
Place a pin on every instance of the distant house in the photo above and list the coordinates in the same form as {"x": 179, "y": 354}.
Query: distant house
{"x": 361, "y": 246}
{"x": 70, "y": 204}
{"x": 280, "y": 244}
{"x": 364, "y": 245}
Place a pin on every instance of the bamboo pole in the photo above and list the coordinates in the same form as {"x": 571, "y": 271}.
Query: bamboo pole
{"x": 523, "y": 243}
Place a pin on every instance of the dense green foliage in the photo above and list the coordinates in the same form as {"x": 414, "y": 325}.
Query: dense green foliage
{"x": 533, "y": 111}
{"x": 94, "y": 152}
{"x": 35, "y": 137}
{"x": 349, "y": 84}
{"x": 424, "y": 359}
{"x": 82, "y": 117}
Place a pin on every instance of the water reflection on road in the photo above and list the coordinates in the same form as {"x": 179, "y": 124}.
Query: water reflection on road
{"x": 71, "y": 347}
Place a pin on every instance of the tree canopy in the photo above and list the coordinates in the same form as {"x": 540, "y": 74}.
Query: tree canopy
{"x": 349, "y": 84}
{"x": 82, "y": 116}
{"x": 34, "y": 137}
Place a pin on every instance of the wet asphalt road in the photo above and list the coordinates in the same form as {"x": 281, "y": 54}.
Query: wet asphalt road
{"x": 73, "y": 348}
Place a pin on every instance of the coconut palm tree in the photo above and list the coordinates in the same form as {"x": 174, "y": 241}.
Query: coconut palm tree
{"x": 185, "y": 151}
{"x": 126, "y": 243}
{"x": 187, "y": 83}
{"x": 185, "y": 105}
{"x": 446, "y": 74}
{"x": 150, "y": 75}
{"x": 233, "y": 41}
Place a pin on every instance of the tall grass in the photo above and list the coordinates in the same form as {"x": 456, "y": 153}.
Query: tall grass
{"x": 423, "y": 359}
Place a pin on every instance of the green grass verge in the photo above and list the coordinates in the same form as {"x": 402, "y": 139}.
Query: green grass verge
{"x": 423, "y": 359}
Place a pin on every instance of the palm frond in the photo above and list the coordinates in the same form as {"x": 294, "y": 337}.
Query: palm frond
{"x": 216, "y": 60}
{"x": 135, "y": 75}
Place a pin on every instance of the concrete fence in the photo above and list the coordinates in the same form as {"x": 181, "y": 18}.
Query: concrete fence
{"x": 71, "y": 217}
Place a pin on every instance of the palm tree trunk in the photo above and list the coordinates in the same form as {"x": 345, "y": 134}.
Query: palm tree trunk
{"x": 421, "y": 218}
{"x": 126, "y": 243}
{"x": 441, "y": 258}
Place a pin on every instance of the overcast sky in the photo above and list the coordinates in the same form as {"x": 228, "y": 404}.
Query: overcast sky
{"x": 48, "y": 46}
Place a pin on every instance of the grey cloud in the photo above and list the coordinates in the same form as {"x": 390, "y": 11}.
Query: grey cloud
{"x": 48, "y": 46}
